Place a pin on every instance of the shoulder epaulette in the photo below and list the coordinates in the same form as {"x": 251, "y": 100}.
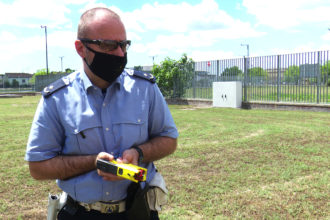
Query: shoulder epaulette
{"x": 142, "y": 75}
{"x": 55, "y": 86}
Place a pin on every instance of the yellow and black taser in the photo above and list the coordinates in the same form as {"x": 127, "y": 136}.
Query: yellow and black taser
{"x": 127, "y": 171}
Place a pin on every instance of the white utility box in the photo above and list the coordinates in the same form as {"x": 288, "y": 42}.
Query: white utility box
{"x": 227, "y": 94}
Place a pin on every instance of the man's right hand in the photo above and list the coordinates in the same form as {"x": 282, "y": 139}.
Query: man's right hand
{"x": 107, "y": 176}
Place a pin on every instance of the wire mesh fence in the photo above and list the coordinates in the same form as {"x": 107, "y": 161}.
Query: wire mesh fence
{"x": 43, "y": 80}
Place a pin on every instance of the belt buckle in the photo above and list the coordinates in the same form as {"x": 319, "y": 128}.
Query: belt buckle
{"x": 110, "y": 208}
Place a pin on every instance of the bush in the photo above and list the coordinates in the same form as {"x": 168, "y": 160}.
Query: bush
{"x": 173, "y": 77}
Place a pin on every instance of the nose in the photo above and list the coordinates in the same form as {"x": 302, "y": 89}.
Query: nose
{"x": 118, "y": 52}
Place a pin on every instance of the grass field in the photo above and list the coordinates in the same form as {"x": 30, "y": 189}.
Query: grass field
{"x": 288, "y": 93}
{"x": 230, "y": 164}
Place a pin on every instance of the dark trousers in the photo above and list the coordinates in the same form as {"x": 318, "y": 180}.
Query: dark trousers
{"x": 82, "y": 214}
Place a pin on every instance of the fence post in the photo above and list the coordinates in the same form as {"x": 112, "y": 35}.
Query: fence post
{"x": 278, "y": 78}
{"x": 318, "y": 72}
{"x": 245, "y": 79}
{"x": 218, "y": 69}
{"x": 194, "y": 80}
{"x": 174, "y": 88}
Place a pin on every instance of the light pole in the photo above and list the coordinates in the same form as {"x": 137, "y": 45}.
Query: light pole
{"x": 246, "y": 70}
{"x": 248, "y": 54}
{"x": 44, "y": 26}
{"x": 153, "y": 59}
{"x": 247, "y": 48}
{"x": 62, "y": 63}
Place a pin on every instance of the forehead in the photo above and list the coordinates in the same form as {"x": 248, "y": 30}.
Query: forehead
{"x": 105, "y": 26}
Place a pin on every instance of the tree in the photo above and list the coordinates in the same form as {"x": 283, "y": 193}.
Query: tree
{"x": 138, "y": 68}
{"x": 7, "y": 84}
{"x": 257, "y": 72}
{"x": 15, "y": 83}
{"x": 292, "y": 74}
{"x": 173, "y": 77}
{"x": 68, "y": 70}
{"x": 325, "y": 70}
{"x": 38, "y": 73}
{"x": 232, "y": 72}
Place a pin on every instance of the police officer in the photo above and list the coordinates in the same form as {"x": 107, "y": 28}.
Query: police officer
{"x": 101, "y": 112}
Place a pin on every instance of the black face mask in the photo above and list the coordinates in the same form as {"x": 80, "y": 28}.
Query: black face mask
{"x": 106, "y": 66}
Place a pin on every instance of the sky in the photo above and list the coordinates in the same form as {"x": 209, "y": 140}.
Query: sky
{"x": 202, "y": 29}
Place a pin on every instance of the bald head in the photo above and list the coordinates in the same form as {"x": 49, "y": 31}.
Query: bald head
{"x": 91, "y": 15}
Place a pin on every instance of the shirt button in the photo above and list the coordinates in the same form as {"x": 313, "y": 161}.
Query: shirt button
{"x": 139, "y": 120}
{"x": 107, "y": 129}
{"x": 104, "y": 104}
{"x": 107, "y": 193}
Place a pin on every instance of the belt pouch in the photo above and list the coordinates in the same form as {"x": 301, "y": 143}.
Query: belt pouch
{"x": 137, "y": 207}
{"x": 71, "y": 207}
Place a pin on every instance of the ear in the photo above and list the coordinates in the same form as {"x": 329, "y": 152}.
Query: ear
{"x": 79, "y": 48}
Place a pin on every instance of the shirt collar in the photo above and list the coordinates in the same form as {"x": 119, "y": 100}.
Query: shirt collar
{"x": 120, "y": 80}
{"x": 85, "y": 80}
{"x": 87, "y": 83}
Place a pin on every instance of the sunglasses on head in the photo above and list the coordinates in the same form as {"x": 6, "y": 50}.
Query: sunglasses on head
{"x": 108, "y": 45}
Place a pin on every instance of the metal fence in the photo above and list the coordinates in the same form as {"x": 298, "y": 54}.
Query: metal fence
{"x": 20, "y": 89}
{"x": 44, "y": 80}
{"x": 297, "y": 78}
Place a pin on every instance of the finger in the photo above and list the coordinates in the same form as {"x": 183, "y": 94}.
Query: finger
{"x": 105, "y": 174}
{"x": 111, "y": 177}
{"x": 129, "y": 156}
{"x": 105, "y": 156}
{"x": 115, "y": 178}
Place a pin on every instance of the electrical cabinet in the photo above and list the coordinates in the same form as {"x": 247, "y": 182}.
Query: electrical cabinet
{"x": 227, "y": 94}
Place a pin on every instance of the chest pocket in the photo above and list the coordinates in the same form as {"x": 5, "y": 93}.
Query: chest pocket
{"x": 90, "y": 139}
{"x": 84, "y": 140}
{"x": 130, "y": 131}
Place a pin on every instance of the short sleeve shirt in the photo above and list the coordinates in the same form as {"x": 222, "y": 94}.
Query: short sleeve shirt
{"x": 79, "y": 119}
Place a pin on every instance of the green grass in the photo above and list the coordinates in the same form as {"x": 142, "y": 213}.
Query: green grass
{"x": 249, "y": 165}
{"x": 230, "y": 164}
{"x": 288, "y": 93}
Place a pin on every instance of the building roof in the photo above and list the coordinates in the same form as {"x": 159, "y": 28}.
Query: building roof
{"x": 18, "y": 75}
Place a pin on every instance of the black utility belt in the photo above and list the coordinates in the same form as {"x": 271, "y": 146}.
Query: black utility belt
{"x": 103, "y": 207}
{"x": 135, "y": 206}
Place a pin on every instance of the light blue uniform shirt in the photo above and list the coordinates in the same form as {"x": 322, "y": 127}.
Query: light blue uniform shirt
{"x": 79, "y": 120}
